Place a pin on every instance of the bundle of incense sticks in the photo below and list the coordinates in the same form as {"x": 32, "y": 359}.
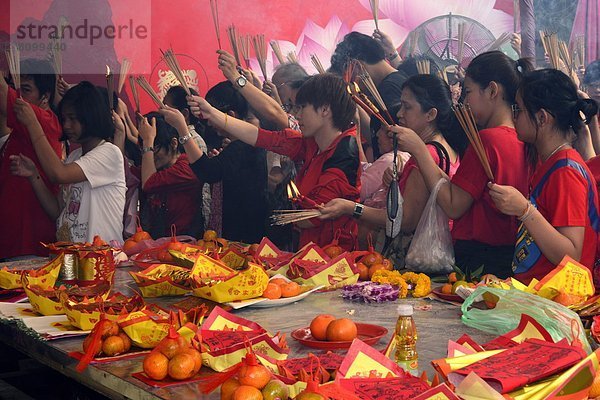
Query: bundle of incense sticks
{"x": 56, "y": 49}
{"x": 171, "y": 61}
{"x": 443, "y": 75}
{"x": 314, "y": 59}
{"x": 148, "y": 89}
{"x": 353, "y": 68}
{"x": 461, "y": 42}
{"x": 13, "y": 56}
{"x": 412, "y": 44}
{"x": 467, "y": 121}
{"x": 134, "y": 93}
{"x": 579, "y": 50}
{"x": 277, "y": 51}
{"x": 244, "y": 43}
{"x": 125, "y": 67}
{"x": 285, "y": 217}
{"x": 292, "y": 57}
{"x": 260, "y": 50}
{"x": 516, "y": 15}
{"x": 371, "y": 89}
{"x": 110, "y": 87}
{"x": 424, "y": 67}
{"x": 232, "y": 34}
{"x": 214, "y": 8}
{"x": 551, "y": 47}
{"x": 375, "y": 12}
{"x": 565, "y": 55}
{"x": 499, "y": 42}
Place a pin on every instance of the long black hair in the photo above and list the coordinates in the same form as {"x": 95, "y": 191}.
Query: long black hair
{"x": 432, "y": 92}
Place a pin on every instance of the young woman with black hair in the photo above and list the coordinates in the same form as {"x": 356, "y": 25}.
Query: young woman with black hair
{"x": 25, "y": 225}
{"x": 92, "y": 196}
{"x": 426, "y": 108}
{"x": 172, "y": 193}
{"x": 482, "y": 234}
{"x": 560, "y": 217}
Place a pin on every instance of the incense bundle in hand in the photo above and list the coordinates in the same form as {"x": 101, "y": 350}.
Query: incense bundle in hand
{"x": 551, "y": 47}
{"x": 173, "y": 64}
{"x": 148, "y": 89}
{"x": 277, "y": 51}
{"x": 260, "y": 50}
{"x": 125, "y": 67}
{"x": 134, "y": 93}
{"x": 110, "y": 88}
{"x": 285, "y": 217}
{"x": 516, "y": 15}
{"x": 244, "y": 43}
{"x": 579, "y": 50}
{"x": 371, "y": 89}
{"x": 424, "y": 67}
{"x": 499, "y": 42}
{"x": 292, "y": 57}
{"x": 467, "y": 122}
{"x": 13, "y": 56}
{"x": 214, "y": 8}
{"x": 314, "y": 59}
{"x": 233, "y": 41}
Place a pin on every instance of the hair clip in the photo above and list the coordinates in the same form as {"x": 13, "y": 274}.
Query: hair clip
{"x": 520, "y": 69}
{"x": 582, "y": 116}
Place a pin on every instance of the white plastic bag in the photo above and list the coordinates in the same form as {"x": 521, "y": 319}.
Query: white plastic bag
{"x": 431, "y": 250}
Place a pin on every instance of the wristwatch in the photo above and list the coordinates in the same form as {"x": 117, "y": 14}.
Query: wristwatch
{"x": 358, "y": 210}
{"x": 183, "y": 139}
{"x": 147, "y": 149}
{"x": 241, "y": 81}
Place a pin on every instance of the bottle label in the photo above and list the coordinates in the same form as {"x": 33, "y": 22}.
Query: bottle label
{"x": 410, "y": 366}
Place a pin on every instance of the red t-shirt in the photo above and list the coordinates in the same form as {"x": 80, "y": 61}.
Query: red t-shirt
{"x": 332, "y": 173}
{"x": 563, "y": 201}
{"x": 483, "y": 222}
{"x": 24, "y": 223}
{"x": 179, "y": 188}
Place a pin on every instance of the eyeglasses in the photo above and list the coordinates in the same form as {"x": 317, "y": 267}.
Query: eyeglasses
{"x": 516, "y": 110}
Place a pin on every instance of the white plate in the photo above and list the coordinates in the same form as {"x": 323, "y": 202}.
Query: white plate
{"x": 17, "y": 311}
{"x": 284, "y": 300}
{"x": 53, "y": 326}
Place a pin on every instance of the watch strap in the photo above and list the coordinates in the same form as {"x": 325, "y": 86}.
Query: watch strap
{"x": 184, "y": 139}
{"x": 147, "y": 149}
{"x": 358, "y": 210}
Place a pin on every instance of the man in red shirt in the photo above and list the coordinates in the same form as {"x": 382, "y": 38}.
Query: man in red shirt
{"x": 327, "y": 146}
{"x": 24, "y": 222}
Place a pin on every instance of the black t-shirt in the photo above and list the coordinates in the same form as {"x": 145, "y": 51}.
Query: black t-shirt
{"x": 243, "y": 171}
{"x": 390, "y": 89}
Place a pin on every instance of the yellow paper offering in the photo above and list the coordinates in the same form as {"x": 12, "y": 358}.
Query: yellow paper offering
{"x": 569, "y": 277}
{"x": 45, "y": 276}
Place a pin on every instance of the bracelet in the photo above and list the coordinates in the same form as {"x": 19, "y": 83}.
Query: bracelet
{"x": 528, "y": 212}
{"x": 225, "y": 127}
{"x": 392, "y": 56}
{"x": 147, "y": 149}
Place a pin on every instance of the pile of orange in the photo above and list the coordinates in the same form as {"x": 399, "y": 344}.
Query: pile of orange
{"x": 279, "y": 287}
{"x": 371, "y": 263}
{"x": 253, "y": 382}
{"x": 112, "y": 342}
{"x": 173, "y": 357}
{"x": 139, "y": 236}
{"x": 211, "y": 241}
{"x": 327, "y": 327}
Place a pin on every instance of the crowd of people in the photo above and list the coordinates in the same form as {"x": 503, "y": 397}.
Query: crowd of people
{"x": 72, "y": 168}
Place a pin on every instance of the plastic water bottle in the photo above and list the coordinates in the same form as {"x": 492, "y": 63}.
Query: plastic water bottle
{"x": 406, "y": 340}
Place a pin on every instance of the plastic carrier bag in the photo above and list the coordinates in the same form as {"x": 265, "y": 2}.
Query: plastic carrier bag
{"x": 431, "y": 250}
{"x": 558, "y": 320}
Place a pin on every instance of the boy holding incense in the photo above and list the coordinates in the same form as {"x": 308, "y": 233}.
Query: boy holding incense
{"x": 560, "y": 217}
{"x": 326, "y": 145}
{"x": 25, "y": 224}
{"x": 482, "y": 234}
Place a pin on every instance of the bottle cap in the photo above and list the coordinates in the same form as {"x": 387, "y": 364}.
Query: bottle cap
{"x": 405, "y": 310}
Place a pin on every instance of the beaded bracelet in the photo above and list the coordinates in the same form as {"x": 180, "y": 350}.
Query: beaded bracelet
{"x": 528, "y": 212}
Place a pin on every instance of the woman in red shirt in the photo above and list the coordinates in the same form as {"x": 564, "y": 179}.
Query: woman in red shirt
{"x": 172, "y": 193}
{"x": 327, "y": 147}
{"x": 482, "y": 234}
{"x": 561, "y": 216}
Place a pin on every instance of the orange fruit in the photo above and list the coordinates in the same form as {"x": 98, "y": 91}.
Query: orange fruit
{"x": 113, "y": 345}
{"x": 254, "y": 375}
{"x": 129, "y": 244}
{"x": 278, "y": 281}
{"x": 228, "y": 387}
{"x": 140, "y": 236}
{"x": 275, "y": 389}
{"x": 457, "y": 284}
{"x": 164, "y": 256}
{"x": 595, "y": 389}
{"x": 363, "y": 271}
{"x": 181, "y": 366}
{"x": 334, "y": 251}
{"x": 452, "y": 277}
{"x": 447, "y": 288}
{"x": 374, "y": 268}
{"x": 87, "y": 342}
{"x": 305, "y": 395}
{"x": 169, "y": 347}
{"x": 223, "y": 242}
{"x": 209, "y": 235}
{"x": 388, "y": 264}
{"x": 273, "y": 291}
{"x": 126, "y": 341}
{"x": 342, "y": 330}
{"x": 156, "y": 365}
{"x": 318, "y": 326}
{"x": 197, "y": 358}
{"x": 290, "y": 289}
{"x": 246, "y": 392}
{"x": 372, "y": 258}
{"x": 175, "y": 246}
{"x": 253, "y": 248}
{"x": 567, "y": 299}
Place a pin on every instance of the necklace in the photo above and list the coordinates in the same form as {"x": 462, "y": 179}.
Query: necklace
{"x": 557, "y": 149}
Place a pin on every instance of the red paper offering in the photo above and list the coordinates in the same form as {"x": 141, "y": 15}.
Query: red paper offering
{"x": 527, "y": 328}
{"x": 169, "y": 381}
{"x": 405, "y": 388}
{"x": 440, "y": 392}
{"x": 520, "y": 365}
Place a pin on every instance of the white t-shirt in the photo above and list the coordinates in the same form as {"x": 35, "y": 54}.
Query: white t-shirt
{"x": 95, "y": 206}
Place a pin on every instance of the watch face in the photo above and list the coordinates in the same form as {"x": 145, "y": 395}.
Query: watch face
{"x": 241, "y": 81}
